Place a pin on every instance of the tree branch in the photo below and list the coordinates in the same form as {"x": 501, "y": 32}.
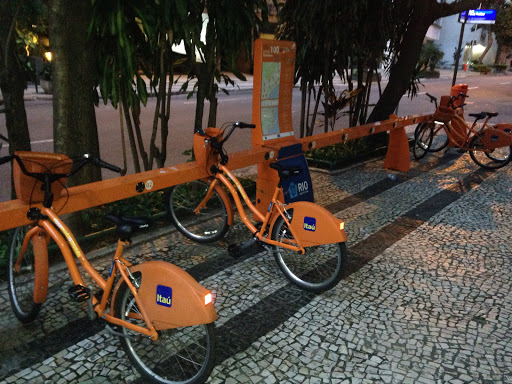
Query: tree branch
{"x": 445, "y": 9}
{"x": 9, "y": 35}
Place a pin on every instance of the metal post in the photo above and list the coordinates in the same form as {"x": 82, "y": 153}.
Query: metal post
{"x": 457, "y": 54}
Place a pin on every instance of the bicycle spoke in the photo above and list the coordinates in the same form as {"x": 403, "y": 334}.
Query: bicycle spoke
{"x": 179, "y": 354}
{"x": 318, "y": 269}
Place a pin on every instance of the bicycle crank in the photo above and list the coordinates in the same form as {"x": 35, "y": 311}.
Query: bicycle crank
{"x": 236, "y": 250}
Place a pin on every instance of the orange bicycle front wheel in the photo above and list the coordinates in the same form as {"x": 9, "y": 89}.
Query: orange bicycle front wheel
{"x": 423, "y": 136}
{"x": 440, "y": 139}
{"x": 206, "y": 225}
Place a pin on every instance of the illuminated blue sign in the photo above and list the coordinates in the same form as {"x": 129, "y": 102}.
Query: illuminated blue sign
{"x": 479, "y": 16}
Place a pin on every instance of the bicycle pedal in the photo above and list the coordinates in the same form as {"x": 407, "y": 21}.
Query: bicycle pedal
{"x": 79, "y": 293}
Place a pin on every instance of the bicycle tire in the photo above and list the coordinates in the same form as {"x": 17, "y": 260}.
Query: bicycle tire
{"x": 423, "y": 135}
{"x": 21, "y": 284}
{"x": 440, "y": 139}
{"x": 318, "y": 270}
{"x": 210, "y": 225}
{"x": 180, "y": 355}
{"x": 494, "y": 159}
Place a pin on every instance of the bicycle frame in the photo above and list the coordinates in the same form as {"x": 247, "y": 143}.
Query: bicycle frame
{"x": 455, "y": 133}
{"x": 334, "y": 228}
{"x": 145, "y": 293}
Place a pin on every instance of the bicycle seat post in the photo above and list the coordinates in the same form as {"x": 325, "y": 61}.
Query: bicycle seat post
{"x": 48, "y": 195}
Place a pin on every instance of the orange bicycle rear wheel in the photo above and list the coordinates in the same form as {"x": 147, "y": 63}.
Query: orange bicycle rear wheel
{"x": 318, "y": 270}
{"x": 489, "y": 159}
{"x": 179, "y": 355}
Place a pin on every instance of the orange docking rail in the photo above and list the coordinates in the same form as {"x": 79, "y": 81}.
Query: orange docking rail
{"x": 13, "y": 213}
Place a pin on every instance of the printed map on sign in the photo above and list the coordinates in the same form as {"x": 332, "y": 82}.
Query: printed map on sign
{"x": 271, "y": 75}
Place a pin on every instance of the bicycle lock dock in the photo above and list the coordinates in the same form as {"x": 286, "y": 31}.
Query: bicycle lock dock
{"x": 274, "y": 64}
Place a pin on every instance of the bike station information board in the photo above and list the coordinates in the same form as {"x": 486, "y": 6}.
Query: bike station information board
{"x": 274, "y": 67}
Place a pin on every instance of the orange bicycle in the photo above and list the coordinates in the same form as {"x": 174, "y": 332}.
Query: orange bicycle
{"x": 489, "y": 146}
{"x": 163, "y": 317}
{"x": 435, "y": 129}
{"x": 308, "y": 242}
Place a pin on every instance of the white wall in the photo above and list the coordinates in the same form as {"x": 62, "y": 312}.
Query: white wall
{"x": 449, "y": 40}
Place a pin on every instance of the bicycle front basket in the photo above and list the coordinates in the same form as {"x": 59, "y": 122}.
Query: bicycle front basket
{"x": 27, "y": 188}
{"x": 444, "y": 114}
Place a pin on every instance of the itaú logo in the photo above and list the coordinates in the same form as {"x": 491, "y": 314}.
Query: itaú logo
{"x": 164, "y": 295}
{"x": 310, "y": 224}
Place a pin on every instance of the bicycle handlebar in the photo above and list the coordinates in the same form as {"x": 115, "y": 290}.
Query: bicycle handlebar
{"x": 433, "y": 99}
{"x": 51, "y": 177}
{"x": 483, "y": 115}
{"x": 5, "y": 159}
{"x": 241, "y": 124}
{"x": 453, "y": 98}
{"x": 103, "y": 164}
{"x": 47, "y": 178}
{"x": 218, "y": 144}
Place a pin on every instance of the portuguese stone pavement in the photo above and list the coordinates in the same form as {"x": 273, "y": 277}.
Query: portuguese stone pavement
{"x": 426, "y": 297}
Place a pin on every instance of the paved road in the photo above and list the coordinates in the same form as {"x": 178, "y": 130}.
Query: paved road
{"x": 486, "y": 93}
{"x": 427, "y": 296}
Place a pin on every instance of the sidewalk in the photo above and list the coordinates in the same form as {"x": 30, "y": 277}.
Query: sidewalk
{"x": 179, "y": 80}
{"x": 426, "y": 298}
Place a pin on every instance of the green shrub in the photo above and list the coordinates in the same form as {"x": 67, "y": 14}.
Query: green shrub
{"x": 339, "y": 155}
{"x": 430, "y": 56}
{"x": 500, "y": 67}
{"x": 482, "y": 68}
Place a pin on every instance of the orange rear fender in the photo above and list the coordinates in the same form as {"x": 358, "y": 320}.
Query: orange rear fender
{"x": 314, "y": 225}
{"x": 172, "y": 298}
{"x": 495, "y": 138}
{"x": 505, "y": 127}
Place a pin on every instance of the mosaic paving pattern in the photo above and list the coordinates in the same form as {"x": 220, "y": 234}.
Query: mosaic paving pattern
{"x": 426, "y": 297}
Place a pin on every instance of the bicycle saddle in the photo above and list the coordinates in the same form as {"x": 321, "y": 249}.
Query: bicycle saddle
{"x": 483, "y": 115}
{"x": 126, "y": 226}
{"x": 285, "y": 171}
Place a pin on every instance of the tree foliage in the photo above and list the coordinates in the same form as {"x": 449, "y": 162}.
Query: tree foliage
{"x": 430, "y": 55}
{"x": 16, "y": 18}
{"x": 350, "y": 42}
{"x": 135, "y": 42}
{"x": 229, "y": 33}
{"x": 503, "y": 27}
{"x": 416, "y": 17}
